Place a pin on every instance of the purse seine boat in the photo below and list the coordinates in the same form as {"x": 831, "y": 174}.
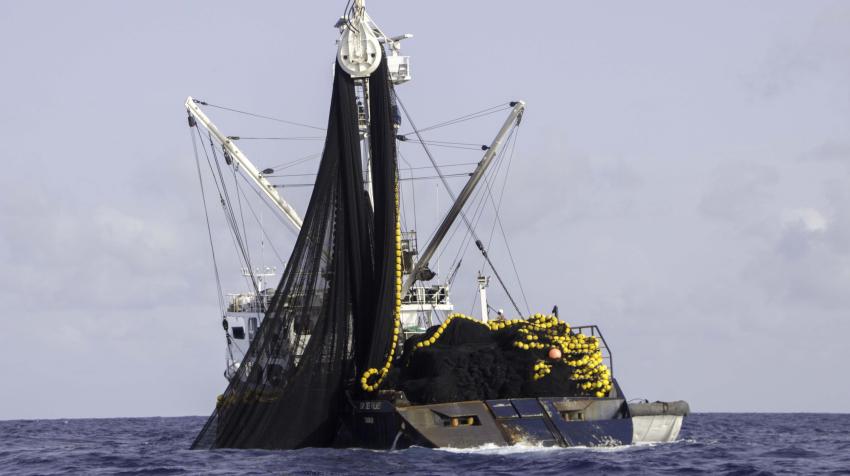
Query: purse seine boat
{"x": 358, "y": 347}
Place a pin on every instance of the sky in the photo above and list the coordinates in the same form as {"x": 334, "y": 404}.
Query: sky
{"x": 681, "y": 178}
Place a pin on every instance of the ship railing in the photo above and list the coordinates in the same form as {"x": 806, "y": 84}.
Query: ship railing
{"x": 253, "y": 303}
{"x": 438, "y": 294}
{"x": 593, "y": 331}
{"x": 409, "y": 243}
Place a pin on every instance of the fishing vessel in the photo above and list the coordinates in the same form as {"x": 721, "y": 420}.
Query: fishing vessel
{"x": 359, "y": 344}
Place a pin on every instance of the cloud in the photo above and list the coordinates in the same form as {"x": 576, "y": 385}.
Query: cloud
{"x": 808, "y": 219}
{"x": 738, "y": 193}
{"x": 829, "y": 152}
{"x": 818, "y": 52}
{"x": 82, "y": 257}
{"x": 806, "y": 266}
{"x": 702, "y": 229}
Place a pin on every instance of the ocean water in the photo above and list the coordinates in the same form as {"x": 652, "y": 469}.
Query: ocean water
{"x": 709, "y": 444}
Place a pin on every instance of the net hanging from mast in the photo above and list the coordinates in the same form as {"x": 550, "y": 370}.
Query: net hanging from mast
{"x": 333, "y": 322}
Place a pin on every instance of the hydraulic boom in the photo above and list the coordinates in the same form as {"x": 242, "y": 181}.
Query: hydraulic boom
{"x": 250, "y": 170}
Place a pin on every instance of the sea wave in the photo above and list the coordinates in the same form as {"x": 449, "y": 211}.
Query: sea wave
{"x": 710, "y": 444}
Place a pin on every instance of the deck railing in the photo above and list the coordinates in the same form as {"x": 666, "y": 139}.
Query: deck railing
{"x": 594, "y": 331}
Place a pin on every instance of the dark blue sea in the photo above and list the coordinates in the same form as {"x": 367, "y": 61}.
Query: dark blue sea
{"x": 709, "y": 444}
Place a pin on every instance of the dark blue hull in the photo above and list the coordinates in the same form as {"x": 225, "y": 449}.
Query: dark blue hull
{"x": 545, "y": 421}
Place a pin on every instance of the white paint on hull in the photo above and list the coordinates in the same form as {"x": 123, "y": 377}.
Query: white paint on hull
{"x": 656, "y": 428}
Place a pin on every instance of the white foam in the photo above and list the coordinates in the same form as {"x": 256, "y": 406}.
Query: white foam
{"x": 520, "y": 448}
{"x": 493, "y": 449}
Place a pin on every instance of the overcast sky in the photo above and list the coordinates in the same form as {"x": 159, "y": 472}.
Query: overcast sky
{"x": 681, "y": 179}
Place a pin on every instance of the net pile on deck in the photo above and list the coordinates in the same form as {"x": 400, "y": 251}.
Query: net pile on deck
{"x": 465, "y": 359}
{"x": 334, "y": 314}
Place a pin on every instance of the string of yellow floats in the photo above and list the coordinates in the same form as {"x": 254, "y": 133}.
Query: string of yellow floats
{"x": 368, "y": 381}
{"x": 540, "y": 332}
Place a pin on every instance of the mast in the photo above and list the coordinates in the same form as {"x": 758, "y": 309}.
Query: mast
{"x": 359, "y": 52}
{"x": 250, "y": 170}
{"x": 483, "y": 281}
{"x": 513, "y": 118}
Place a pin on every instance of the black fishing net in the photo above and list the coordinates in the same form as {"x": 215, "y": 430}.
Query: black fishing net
{"x": 464, "y": 359}
{"x": 334, "y": 315}
{"x": 332, "y": 328}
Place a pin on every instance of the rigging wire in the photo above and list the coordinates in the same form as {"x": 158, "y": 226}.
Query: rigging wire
{"x": 412, "y": 191}
{"x": 260, "y": 116}
{"x": 445, "y": 142}
{"x": 462, "y": 214}
{"x": 477, "y": 203}
{"x": 300, "y": 160}
{"x": 241, "y": 213}
{"x": 276, "y": 138}
{"x": 230, "y": 215}
{"x": 466, "y": 117}
{"x": 229, "y": 349}
{"x": 275, "y": 212}
{"x": 498, "y": 218}
{"x": 259, "y": 222}
{"x": 512, "y": 141}
{"x": 231, "y": 342}
{"x": 312, "y": 174}
{"x": 346, "y": 14}
{"x": 447, "y": 145}
{"x": 401, "y": 179}
{"x": 219, "y": 186}
{"x": 403, "y": 205}
{"x": 219, "y": 294}
{"x": 429, "y": 155}
{"x": 432, "y": 177}
{"x": 479, "y": 200}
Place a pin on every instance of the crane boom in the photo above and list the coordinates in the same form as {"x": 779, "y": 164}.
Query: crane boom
{"x": 249, "y": 168}
{"x": 513, "y": 118}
